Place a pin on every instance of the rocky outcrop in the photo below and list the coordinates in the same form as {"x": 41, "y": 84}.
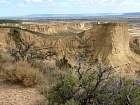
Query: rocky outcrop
{"x": 112, "y": 47}
{"x": 107, "y": 41}
{"x": 52, "y": 27}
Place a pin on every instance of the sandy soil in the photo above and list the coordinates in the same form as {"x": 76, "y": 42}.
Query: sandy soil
{"x": 17, "y": 95}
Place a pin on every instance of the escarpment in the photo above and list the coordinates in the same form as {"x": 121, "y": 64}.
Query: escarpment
{"x": 51, "y": 27}
{"x": 112, "y": 47}
{"x": 107, "y": 41}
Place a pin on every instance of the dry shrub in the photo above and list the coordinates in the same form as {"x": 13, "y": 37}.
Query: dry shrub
{"x": 8, "y": 72}
{"x": 5, "y": 57}
{"x": 44, "y": 65}
{"x": 22, "y": 72}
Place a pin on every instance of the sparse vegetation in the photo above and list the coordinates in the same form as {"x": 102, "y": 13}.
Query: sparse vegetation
{"x": 134, "y": 47}
{"x": 63, "y": 63}
{"x": 22, "y": 47}
{"x": 72, "y": 102}
{"x": 62, "y": 83}
{"x": 21, "y": 72}
{"x": 94, "y": 87}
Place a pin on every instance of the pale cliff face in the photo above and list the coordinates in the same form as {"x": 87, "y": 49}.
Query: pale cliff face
{"x": 62, "y": 38}
{"x": 109, "y": 41}
{"x": 54, "y": 27}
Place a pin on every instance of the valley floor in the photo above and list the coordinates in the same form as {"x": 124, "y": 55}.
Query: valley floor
{"x": 16, "y": 95}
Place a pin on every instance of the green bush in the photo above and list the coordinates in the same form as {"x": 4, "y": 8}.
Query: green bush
{"x": 94, "y": 88}
{"x": 72, "y": 102}
{"x": 63, "y": 91}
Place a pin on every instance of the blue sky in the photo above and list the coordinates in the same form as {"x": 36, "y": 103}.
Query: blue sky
{"x": 26, "y": 7}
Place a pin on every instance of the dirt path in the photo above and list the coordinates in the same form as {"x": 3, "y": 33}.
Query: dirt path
{"x": 17, "y": 95}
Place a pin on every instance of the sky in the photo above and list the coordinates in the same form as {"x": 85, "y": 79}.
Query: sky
{"x": 28, "y": 7}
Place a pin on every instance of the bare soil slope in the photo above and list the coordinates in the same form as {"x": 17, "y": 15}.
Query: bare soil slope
{"x": 16, "y": 95}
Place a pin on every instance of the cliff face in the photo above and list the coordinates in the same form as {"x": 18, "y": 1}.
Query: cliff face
{"x": 52, "y": 27}
{"x": 111, "y": 39}
{"x": 62, "y": 38}
{"x": 112, "y": 46}
{"x": 3, "y": 35}
{"x": 107, "y": 41}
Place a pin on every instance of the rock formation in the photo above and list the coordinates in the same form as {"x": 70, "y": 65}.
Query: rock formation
{"x": 112, "y": 47}
{"x": 51, "y": 27}
{"x": 107, "y": 41}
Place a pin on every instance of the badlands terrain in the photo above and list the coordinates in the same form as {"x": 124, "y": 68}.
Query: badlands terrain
{"x": 115, "y": 44}
{"x": 110, "y": 41}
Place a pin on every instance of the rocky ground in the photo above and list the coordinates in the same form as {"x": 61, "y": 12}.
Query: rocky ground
{"x": 16, "y": 95}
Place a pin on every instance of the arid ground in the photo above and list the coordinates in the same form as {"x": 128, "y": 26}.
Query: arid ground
{"x": 34, "y": 56}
